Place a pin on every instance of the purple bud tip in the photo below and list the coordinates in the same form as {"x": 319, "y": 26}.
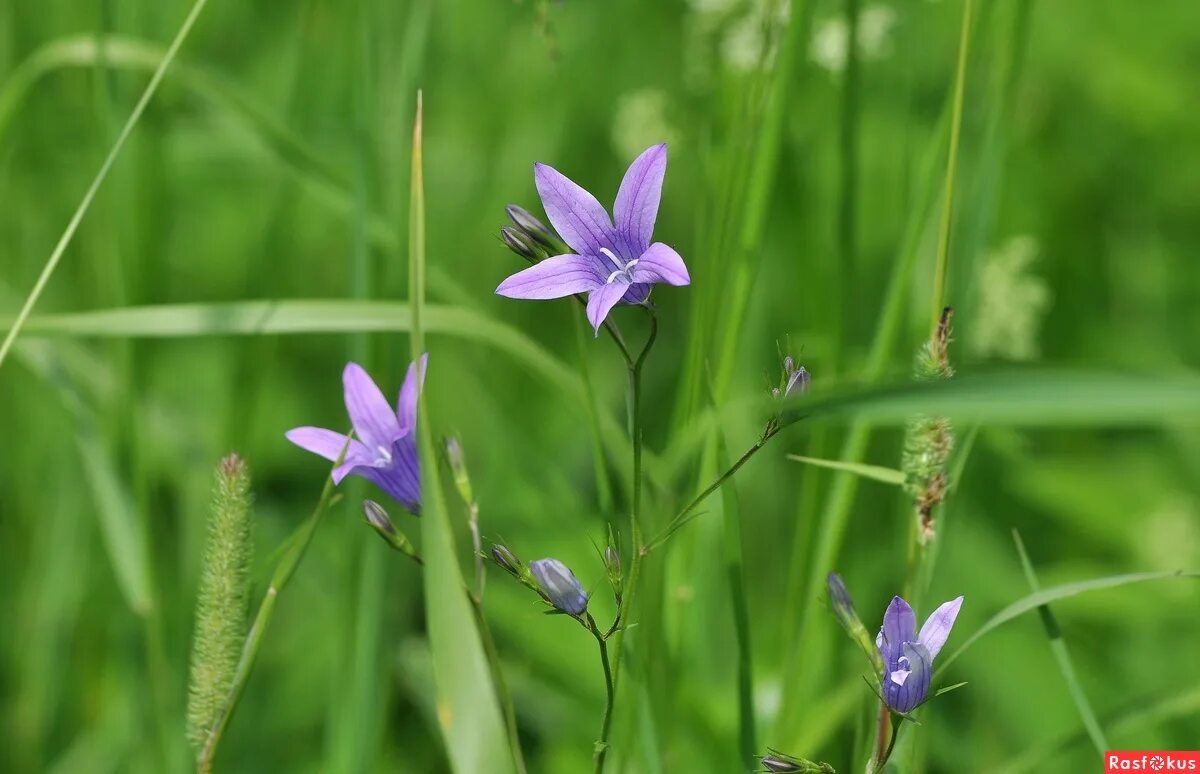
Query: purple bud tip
{"x": 377, "y": 517}
{"x": 502, "y": 556}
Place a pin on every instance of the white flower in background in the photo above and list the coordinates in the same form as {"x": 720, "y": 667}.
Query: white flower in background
{"x": 831, "y": 40}
{"x": 751, "y": 40}
{"x": 641, "y": 120}
{"x": 1012, "y": 302}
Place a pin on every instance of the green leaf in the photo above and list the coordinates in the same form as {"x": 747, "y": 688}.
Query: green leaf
{"x": 874, "y": 472}
{"x": 1041, "y": 397}
{"x": 468, "y": 709}
{"x": 1065, "y": 591}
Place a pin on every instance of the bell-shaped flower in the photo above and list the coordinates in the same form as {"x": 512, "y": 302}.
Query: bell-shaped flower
{"x": 908, "y": 655}
{"x": 385, "y": 450}
{"x": 559, "y": 584}
{"x": 614, "y": 260}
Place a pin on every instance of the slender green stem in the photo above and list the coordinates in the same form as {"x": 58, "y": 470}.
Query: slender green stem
{"x": 297, "y": 547}
{"x": 73, "y": 225}
{"x": 939, "y": 277}
{"x": 635, "y": 523}
{"x": 848, "y": 147}
{"x": 687, "y": 514}
{"x": 610, "y": 690}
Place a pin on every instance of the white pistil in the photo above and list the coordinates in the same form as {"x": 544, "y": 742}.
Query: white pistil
{"x": 623, "y": 269}
{"x": 385, "y": 455}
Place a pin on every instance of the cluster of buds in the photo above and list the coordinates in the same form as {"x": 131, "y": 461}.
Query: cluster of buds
{"x": 550, "y": 579}
{"x": 928, "y": 440}
{"x": 377, "y": 518}
{"x": 795, "y": 380}
{"x": 528, "y": 237}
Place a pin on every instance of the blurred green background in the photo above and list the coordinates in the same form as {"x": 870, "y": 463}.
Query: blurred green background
{"x": 273, "y": 164}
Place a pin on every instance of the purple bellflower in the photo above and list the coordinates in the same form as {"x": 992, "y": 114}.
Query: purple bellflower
{"x": 385, "y": 451}
{"x": 614, "y": 260}
{"x": 907, "y": 655}
{"x": 559, "y": 584}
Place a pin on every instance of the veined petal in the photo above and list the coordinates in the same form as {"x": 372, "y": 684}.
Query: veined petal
{"x": 401, "y": 477}
{"x": 562, "y": 275}
{"x": 328, "y": 444}
{"x": 373, "y": 419}
{"x": 602, "y": 300}
{"x": 660, "y": 263}
{"x": 899, "y": 627}
{"x": 937, "y": 627}
{"x": 575, "y": 214}
{"x": 636, "y": 207}
{"x": 406, "y": 404}
{"x": 908, "y": 686}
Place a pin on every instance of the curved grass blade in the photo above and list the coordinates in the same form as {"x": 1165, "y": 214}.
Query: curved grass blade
{"x": 1055, "y": 593}
{"x": 73, "y": 225}
{"x": 467, "y": 704}
{"x": 1059, "y": 647}
{"x": 879, "y": 473}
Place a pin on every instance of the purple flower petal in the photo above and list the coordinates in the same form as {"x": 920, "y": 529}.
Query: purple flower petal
{"x": 575, "y": 214}
{"x": 406, "y": 404}
{"x": 401, "y": 477}
{"x": 937, "y": 627}
{"x": 660, "y": 263}
{"x": 602, "y": 300}
{"x": 899, "y": 627}
{"x": 636, "y": 207}
{"x": 907, "y": 686}
{"x": 562, "y": 275}
{"x": 373, "y": 419}
{"x": 328, "y": 444}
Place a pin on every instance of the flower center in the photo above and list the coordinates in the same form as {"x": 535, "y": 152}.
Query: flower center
{"x": 623, "y": 269}
{"x": 385, "y": 455}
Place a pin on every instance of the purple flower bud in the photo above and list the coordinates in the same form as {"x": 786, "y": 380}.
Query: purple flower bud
{"x": 559, "y": 584}
{"x": 843, "y": 609}
{"x": 507, "y": 560}
{"x": 531, "y": 227}
{"x": 458, "y": 466}
{"x": 378, "y": 518}
{"x": 519, "y": 243}
{"x": 797, "y": 381}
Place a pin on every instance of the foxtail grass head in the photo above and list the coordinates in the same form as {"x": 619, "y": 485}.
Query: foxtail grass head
{"x": 222, "y": 599}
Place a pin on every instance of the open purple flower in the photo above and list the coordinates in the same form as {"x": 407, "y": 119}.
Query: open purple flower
{"x": 614, "y": 260}
{"x": 385, "y": 451}
{"x": 908, "y": 656}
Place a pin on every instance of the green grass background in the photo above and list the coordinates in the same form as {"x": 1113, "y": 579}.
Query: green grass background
{"x": 273, "y": 164}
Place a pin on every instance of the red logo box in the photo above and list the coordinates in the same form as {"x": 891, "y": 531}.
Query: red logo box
{"x": 1151, "y": 760}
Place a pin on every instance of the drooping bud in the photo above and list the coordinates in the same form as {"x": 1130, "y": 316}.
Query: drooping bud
{"x": 458, "y": 466}
{"x": 780, "y": 763}
{"x": 559, "y": 584}
{"x": 531, "y": 227}
{"x": 379, "y": 521}
{"x": 843, "y": 609}
{"x": 519, "y": 243}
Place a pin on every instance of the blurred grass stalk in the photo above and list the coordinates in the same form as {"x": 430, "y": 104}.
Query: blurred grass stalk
{"x": 468, "y": 710}
{"x": 73, "y": 225}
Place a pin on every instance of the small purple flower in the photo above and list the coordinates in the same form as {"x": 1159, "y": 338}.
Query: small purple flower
{"x": 611, "y": 263}
{"x": 908, "y": 656}
{"x": 559, "y": 584}
{"x": 385, "y": 451}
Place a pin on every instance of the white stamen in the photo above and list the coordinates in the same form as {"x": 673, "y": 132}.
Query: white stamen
{"x": 612, "y": 257}
{"x": 613, "y": 276}
{"x": 385, "y": 455}
{"x": 900, "y": 675}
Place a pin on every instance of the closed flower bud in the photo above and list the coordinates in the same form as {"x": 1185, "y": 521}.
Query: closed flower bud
{"x": 507, "y": 560}
{"x": 843, "y": 608}
{"x": 531, "y": 227}
{"x": 379, "y": 521}
{"x": 559, "y": 584}
{"x": 612, "y": 563}
{"x": 458, "y": 466}
{"x": 519, "y": 243}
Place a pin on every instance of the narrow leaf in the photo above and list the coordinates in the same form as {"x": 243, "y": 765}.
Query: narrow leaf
{"x": 874, "y": 472}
